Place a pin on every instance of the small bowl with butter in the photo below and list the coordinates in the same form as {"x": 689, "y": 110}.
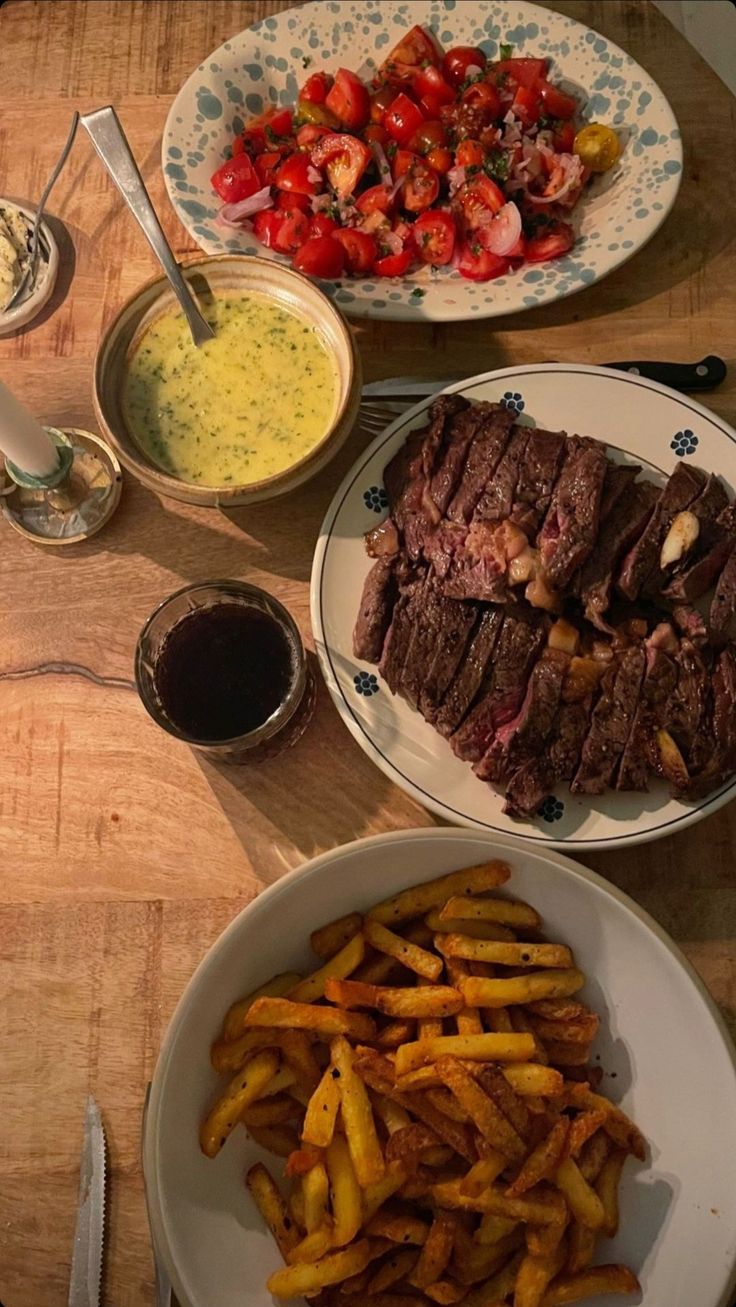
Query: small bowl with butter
{"x": 250, "y": 414}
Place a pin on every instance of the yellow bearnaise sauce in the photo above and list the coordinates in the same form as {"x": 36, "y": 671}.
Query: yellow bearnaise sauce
{"x": 242, "y": 407}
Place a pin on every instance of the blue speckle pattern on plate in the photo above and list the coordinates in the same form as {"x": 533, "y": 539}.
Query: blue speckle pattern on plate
{"x": 264, "y": 65}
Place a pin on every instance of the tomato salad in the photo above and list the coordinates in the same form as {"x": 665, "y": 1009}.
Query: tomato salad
{"x": 446, "y": 159}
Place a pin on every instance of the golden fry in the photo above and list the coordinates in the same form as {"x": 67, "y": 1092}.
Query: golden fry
{"x": 545, "y": 1240}
{"x": 564, "y": 1054}
{"x": 468, "y": 1020}
{"x": 322, "y": 1109}
{"x": 498, "y": 1018}
{"x": 436, "y": 1252}
{"x": 405, "y": 1145}
{"x": 422, "y": 1001}
{"x": 379, "y": 970}
{"x": 481, "y": 1109}
{"x": 393, "y": 1117}
{"x": 494, "y": 1228}
{"x": 276, "y": 987}
{"x": 475, "y": 1048}
{"x": 478, "y": 992}
{"x": 284, "y": 1013}
{"x": 560, "y": 1009}
{"x": 545, "y": 1208}
{"x": 582, "y": 1200}
{"x": 397, "y": 1032}
{"x": 342, "y": 964}
{"x": 419, "y": 900}
{"x": 582, "y": 1128}
{"x": 311, "y": 1247}
{"x": 375, "y": 1195}
{"x": 271, "y": 1111}
{"x": 272, "y": 1207}
{"x": 581, "y": 1248}
{"x": 543, "y": 1161}
{"x": 505, "y": 955}
{"x": 445, "y": 1292}
{"x": 606, "y": 1187}
{"x": 534, "y": 1275}
{"x": 482, "y": 1174}
{"x": 329, "y": 939}
{"x": 398, "y": 1229}
{"x": 504, "y": 912}
{"x": 529, "y": 1078}
{"x": 593, "y": 1155}
{"x": 617, "y": 1124}
{"x": 400, "y": 1264}
{"x": 227, "y": 1057}
{"x": 347, "y": 1203}
{"x": 357, "y": 1116}
{"x": 402, "y": 950}
{"x": 243, "y": 1090}
{"x": 494, "y": 1083}
{"x": 310, "y": 1277}
{"x": 471, "y": 929}
{"x": 590, "y": 1284}
{"x": 316, "y": 1192}
{"x": 299, "y": 1057}
{"x": 496, "y": 1290}
{"x": 581, "y": 1031}
{"x": 281, "y": 1140}
{"x": 442, "y": 1099}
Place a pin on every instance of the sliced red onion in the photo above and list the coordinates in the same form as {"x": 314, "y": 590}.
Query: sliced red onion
{"x": 396, "y": 188}
{"x": 347, "y": 211}
{"x": 313, "y": 175}
{"x": 382, "y": 163}
{"x": 572, "y": 170}
{"x": 455, "y": 178}
{"x": 473, "y": 73}
{"x": 318, "y": 203}
{"x": 392, "y": 242}
{"x": 231, "y": 215}
{"x": 502, "y": 233}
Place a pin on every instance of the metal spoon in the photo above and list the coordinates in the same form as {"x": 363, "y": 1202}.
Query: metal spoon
{"x": 30, "y": 273}
{"x": 111, "y": 144}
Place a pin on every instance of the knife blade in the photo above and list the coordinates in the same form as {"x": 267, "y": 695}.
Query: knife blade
{"x": 86, "y": 1273}
{"x": 685, "y": 377}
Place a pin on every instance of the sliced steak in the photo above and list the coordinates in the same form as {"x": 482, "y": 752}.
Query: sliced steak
{"x": 688, "y": 704}
{"x": 440, "y": 624}
{"x": 706, "y": 508}
{"x": 682, "y": 488}
{"x": 452, "y": 643}
{"x": 470, "y": 674}
{"x": 623, "y": 526}
{"x": 408, "y": 476}
{"x": 524, "y": 736}
{"x": 611, "y": 723}
{"x": 477, "y": 568}
{"x": 485, "y": 453}
{"x": 660, "y": 679}
{"x": 530, "y": 785}
{"x": 516, "y": 651}
{"x": 540, "y": 466}
{"x": 462, "y": 429}
{"x": 690, "y": 623}
{"x": 400, "y": 631}
{"x": 721, "y": 759}
{"x": 718, "y": 539}
{"x": 723, "y": 608}
{"x": 620, "y": 477}
{"x": 571, "y": 525}
{"x": 376, "y": 606}
{"x": 497, "y": 500}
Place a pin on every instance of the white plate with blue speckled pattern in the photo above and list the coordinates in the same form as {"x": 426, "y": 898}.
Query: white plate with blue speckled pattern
{"x": 641, "y": 422}
{"x": 264, "y": 65}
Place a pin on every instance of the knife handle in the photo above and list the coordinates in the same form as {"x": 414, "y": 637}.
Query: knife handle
{"x": 705, "y": 375}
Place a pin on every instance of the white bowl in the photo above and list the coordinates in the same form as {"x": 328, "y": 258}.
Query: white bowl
{"x": 663, "y": 1045}
{"x": 13, "y": 319}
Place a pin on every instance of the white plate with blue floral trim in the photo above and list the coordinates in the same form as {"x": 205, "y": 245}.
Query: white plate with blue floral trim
{"x": 640, "y": 421}
{"x": 263, "y": 66}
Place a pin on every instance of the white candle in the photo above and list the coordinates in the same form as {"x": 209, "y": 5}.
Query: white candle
{"x": 23, "y": 440}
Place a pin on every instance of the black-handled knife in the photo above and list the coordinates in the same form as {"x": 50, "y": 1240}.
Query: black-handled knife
{"x": 705, "y": 375}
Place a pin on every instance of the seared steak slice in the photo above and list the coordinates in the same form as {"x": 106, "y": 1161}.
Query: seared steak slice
{"x": 469, "y": 676}
{"x": 688, "y": 704}
{"x": 721, "y": 758}
{"x": 516, "y": 651}
{"x": 407, "y": 477}
{"x": 619, "y": 531}
{"x": 690, "y": 623}
{"x": 706, "y": 507}
{"x": 619, "y": 479}
{"x": 660, "y": 679}
{"x": 539, "y": 469}
{"x": 524, "y": 736}
{"x": 400, "y": 631}
{"x": 571, "y": 525}
{"x": 462, "y": 429}
{"x": 477, "y": 567}
{"x": 497, "y": 499}
{"x": 484, "y": 455}
{"x": 452, "y": 642}
{"x": 718, "y": 539}
{"x": 530, "y": 785}
{"x": 611, "y": 723}
{"x": 437, "y": 620}
{"x": 723, "y": 607}
{"x": 374, "y": 615}
{"x": 682, "y": 488}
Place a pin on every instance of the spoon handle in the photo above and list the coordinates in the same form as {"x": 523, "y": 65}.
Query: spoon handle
{"x": 111, "y": 144}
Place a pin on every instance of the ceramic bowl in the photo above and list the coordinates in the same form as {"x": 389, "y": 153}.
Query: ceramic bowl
{"x": 227, "y": 272}
{"x": 48, "y": 267}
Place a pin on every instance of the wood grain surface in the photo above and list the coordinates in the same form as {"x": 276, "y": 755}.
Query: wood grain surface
{"x": 123, "y": 855}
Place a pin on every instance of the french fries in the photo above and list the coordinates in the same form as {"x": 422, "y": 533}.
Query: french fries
{"x": 429, "y": 1089}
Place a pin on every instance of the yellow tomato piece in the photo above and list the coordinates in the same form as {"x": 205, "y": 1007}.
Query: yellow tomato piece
{"x": 598, "y": 146}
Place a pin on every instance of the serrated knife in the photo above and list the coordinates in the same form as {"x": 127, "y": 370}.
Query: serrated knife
{"x": 86, "y": 1275}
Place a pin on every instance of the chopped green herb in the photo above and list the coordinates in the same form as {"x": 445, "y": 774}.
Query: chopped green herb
{"x": 306, "y": 60}
{"x": 505, "y": 51}
{"x": 417, "y": 293}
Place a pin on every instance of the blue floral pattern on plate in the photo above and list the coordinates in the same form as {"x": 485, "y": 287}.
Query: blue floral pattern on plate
{"x": 262, "y": 67}
{"x": 684, "y": 442}
{"x": 513, "y": 401}
{"x": 376, "y": 499}
{"x": 366, "y": 683}
{"x": 552, "y": 809}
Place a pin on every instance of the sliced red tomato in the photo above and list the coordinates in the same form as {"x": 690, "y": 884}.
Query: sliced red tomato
{"x": 519, "y": 250}
{"x": 556, "y": 103}
{"x": 483, "y": 96}
{"x": 375, "y": 200}
{"x": 476, "y": 197}
{"x": 434, "y": 237}
{"x": 440, "y": 159}
{"x": 320, "y": 256}
{"x": 402, "y": 163}
{"x": 322, "y": 225}
{"x": 393, "y": 265}
{"x": 563, "y": 135}
{"x": 344, "y": 158}
{"x": 252, "y": 139}
{"x": 319, "y": 114}
{"x": 428, "y": 137}
{"x": 267, "y": 165}
{"x": 477, "y": 264}
{"x": 290, "y": 200}
{"x": 469, "y": 154}
{"x": 293, "y": 175}
{"x": 239, "y": 145}
{"x": 458, "y": 60}
{"x": 555, "y": 239}
{"x": 412, "y": 52}
{"x": 279, "y": 123}
{"x": 526, "y": 105}
{"x": 525, "y": 72}
{"x": 429, "y": 81}
{"x": 360, "y": 249}
{"x": 293, "y": 231}
{"x": 375, "y": 132}
{"x": 349, "y": 100}
{"x": 421, "y": 187}
{"x": 316, "y": 87}
{"x": 236, "y": 179}
{"x": 309, "y": 134}
{"x": 402, "y": 119}
{"x": 380, "y": 102}
{"x": 266, "y": 226}
{"x": 430, "y": 106}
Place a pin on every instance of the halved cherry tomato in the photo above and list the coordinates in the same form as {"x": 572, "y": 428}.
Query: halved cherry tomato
{"x": 477, "y": 264}
{"x": 266, "y": 226}
{"x": 375, "y": 132}
{"x": 360, "y": 249}
{"x": 476, "y": 197}
{"x": 349, "y": 100}
{"x": 319, "y": 114}
{"x": 320, "y": 256}
{"x": 430, "y": 106}
{"x": 380, "y": 102}
{"x": 236, "y": 179}
{"x": 293, "y": 175}
{"x": 429, "y": 81}
{"x": 556, "y": 103}
{"x": 421, "y": 187}
{"x": 322, "y": 225}
{"x": 393, "y": 265}
{"x": 526, "y": 105}
{"x": 403, "y": 117}
{"x": 411, "y": 53}
{"x": 563, "y": 135}
{"x": 525, "y": 72}
{"x": 279, "y": 123}
{"x": 375, "y": 200}
{"x": 457, "y": 61}
{"x": 290, "y": 200}
{"x": 434, "y": 237}
{"x": 483, "y": 96}
{"x": 239, "y": 145}
{"x": 469, "y": 154}
{"x": 440, "y": 159}
{"x": 402, "y": 163}
{"x": 309, "y": 134}
{"x": 293, "y": 231}
{"x": 316, "y": 87}
{"x": 428, "y": 137}
{"x": 556, "y": 239}
{"x": 344, "y": 159}
{"x": 252, "y": 139}
{"x": 267, "y": 165}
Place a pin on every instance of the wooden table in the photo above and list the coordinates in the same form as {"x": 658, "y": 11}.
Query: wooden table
{"x": 123, "y": 855}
